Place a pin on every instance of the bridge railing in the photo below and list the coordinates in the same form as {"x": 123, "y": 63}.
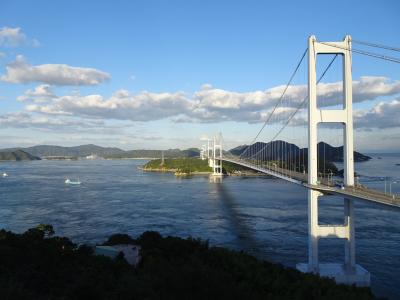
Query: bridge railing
{"x": 324, "y": 183}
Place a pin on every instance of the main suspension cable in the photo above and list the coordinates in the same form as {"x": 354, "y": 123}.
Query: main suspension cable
{"x": 376, "y": 55}
{"x": 298, "y": 107}
{"x": 277, "y": 103}
{"x": 376, "y": 45}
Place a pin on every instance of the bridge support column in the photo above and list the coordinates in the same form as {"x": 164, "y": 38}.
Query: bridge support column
{"x": 217, "y": 156}
{"x": 350, "y": 243}
{"x": 313, "y": 264}
{"x": 210, "y": 153}
{"x": 348, "y": 272}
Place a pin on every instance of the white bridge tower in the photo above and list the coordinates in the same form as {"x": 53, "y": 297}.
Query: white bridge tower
{"x": 213, "y": 152}
{"x": 217, "y": 155}
{"x": 348, "y": 272}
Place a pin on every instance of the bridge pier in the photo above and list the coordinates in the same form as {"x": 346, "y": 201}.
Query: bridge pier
{"x": 348, "y": 272}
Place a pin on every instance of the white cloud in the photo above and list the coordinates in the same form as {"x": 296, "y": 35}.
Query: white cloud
{"x": 26, "y": 120}
{"x": 41, "y": 93}
{"x": 366, "y": 88}
{"x": 14, "y": 37}
{"x": 383, "y": 115}
{"x": 213, "y": 105}
{"x": 208, "y": 105}
{"x": 145, "y": 106}
{"x": 20, "y": 71}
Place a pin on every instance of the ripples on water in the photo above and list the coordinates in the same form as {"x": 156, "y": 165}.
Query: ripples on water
{"x": 266, "y": 217}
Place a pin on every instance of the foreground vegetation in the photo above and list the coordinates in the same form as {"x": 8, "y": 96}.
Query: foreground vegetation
{"x": 38, "y": 265}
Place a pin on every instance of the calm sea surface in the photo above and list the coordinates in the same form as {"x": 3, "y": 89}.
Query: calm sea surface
{"x": 266, "y": 217}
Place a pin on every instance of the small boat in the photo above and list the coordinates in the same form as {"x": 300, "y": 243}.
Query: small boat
{"x": 4, "y": 175}
{"x": 69, "y": 181}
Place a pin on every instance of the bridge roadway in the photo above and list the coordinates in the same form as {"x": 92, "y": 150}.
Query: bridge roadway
{"x": 358, "y": 192}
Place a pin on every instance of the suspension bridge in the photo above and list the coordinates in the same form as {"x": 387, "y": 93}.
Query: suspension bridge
{"x": 307, "y": 166}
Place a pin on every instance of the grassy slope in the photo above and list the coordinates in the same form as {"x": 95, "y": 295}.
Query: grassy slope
{"x": 34, "y": 267}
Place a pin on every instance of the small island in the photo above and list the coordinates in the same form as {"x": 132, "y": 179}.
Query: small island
{"x": 289, "y": 157}
{"x": 40, "y": 265}
{"x": 194, "y": 166}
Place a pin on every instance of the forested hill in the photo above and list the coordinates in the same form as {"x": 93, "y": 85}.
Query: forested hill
{"x": 76, "y": 151}
{"x": 281, "y": 149}
{"x": 170, "y": 153}
{"x": 17, "y": 155}
{"x": 106, "y": 152}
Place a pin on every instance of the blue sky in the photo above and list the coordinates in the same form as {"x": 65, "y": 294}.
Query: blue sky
{"x": 204, "y": 65}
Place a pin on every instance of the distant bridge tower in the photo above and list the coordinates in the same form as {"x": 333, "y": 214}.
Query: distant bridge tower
{"x": 210, "y": 148}
{"x": 348, "y": 272}
{"x": 217, "y": 155}
{"x": 203, "y": 153}
{"x": 162, "y": 158}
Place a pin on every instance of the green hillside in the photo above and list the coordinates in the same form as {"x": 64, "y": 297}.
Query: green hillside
{"x": 17, "y": 155}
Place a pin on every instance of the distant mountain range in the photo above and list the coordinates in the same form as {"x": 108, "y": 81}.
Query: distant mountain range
{"x": 17, "y": 155}
{"x": 77, "y": 151}
{"x": 43, "y": 151}
{"x": 170, "y": 153}
{"x": 280, "y": 150}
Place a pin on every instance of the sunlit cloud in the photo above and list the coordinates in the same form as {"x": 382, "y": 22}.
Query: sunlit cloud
{"x": 20, "y": 71}
{"x": 14, "y": 37}
{"x": 208, "y": 105}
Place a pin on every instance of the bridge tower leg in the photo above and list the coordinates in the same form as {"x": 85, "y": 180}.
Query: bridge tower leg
{"x": 210, "y": 154}
{"x": 217, "y": 156}
{"x": 348, "y": 272}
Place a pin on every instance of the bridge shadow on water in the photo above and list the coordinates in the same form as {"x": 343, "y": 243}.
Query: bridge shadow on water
{"x": 245, "y": 238}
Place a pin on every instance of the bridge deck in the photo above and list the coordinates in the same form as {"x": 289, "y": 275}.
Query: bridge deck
{"x": 355, "y": 192}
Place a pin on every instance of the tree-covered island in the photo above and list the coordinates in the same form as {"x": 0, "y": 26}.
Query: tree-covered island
{"x": 193, "y": 166}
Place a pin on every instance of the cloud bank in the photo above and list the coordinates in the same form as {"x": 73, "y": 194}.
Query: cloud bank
{"x": 383, "y": 115}
{"x": 26, "y": 120}
{"x": 20, "y": 71}
{"x": 208, "y": 105}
